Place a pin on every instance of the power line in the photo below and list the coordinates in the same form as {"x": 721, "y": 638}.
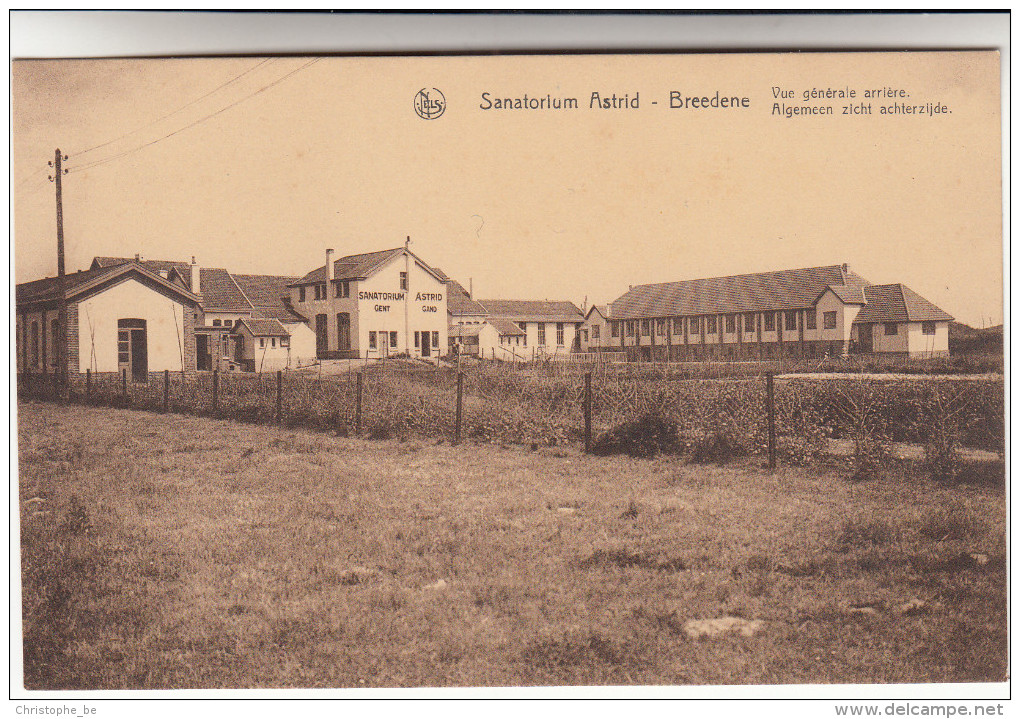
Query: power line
{"x": 171, "y": 114}
{"x": 196, "y": 122}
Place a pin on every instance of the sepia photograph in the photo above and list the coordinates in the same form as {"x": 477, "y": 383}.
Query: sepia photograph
{"x": 384, "y": 371}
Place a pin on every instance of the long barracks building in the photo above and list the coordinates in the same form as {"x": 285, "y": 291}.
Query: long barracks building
{"x": 810, "y": 312}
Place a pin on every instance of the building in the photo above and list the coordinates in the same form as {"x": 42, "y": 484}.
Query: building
{"x": 810, "y": 312}
{"x": 594, "y": 332}
{"x": 490, "y": 339}
{"x": 550, "y": 328}
{"x": 120, "y": 318}
{"x": 225, "y": 299}
{"x": 377, "y": 304}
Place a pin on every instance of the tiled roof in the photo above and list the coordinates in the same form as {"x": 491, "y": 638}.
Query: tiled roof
{"x": 263, "y": 327}
{"x": 506, "y": 327}
{"x": 269, "y": 294}
{"x": 46, "y": 289}
{"x": 601, "y": 309}
{"x": 156, "y": 266}
{"x": 219, "y": 291}
{"x": 849, "y": 294}
{"x": 458, "y": 302}
{"x": 456, "y": 331}
{"x": 781, "y": 290}
{"x": 898, "y": 303}
{"x": 533, "y": 310}
{"x": 352, "y": 267}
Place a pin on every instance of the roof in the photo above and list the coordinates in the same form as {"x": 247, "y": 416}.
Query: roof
{"x": 456, "y": 331}
{"x": 46, "y": 289}
{"x": 156, "y": 266}
{"x": 506, "y": 327}
{"x": 849, "y": 294}
{"x": 358, "y": 267}
{"x": 269, "y": 295}
{"x": 601, "y": 309}
{"x": 762, "y": 291}
{"x": 897, "y": 303}
{"x": 459, "y": 302}
{"x": 263, "y": 327}
{"x": 533, "y": 310}
{"x": 219, "y": 291}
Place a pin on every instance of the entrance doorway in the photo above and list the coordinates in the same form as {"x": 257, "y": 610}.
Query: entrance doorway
{"x": 204, "y": 356}
{"x": 133, "y": 349}
{"x": 321, "y": 336}
{"x": 426, "y": 349}
{"x": 865, "y": 341}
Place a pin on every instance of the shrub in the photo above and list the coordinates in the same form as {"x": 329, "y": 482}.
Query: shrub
{"x": 647, "y": 436}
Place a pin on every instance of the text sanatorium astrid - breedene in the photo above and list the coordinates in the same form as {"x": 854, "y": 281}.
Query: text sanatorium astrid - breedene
{"x": 600, "y": 101}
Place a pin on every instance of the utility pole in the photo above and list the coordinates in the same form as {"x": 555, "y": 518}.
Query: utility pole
{"x": 62, "y": 306}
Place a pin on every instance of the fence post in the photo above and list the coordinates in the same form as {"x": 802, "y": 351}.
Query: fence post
{"x": 279, "y": 396}
{"x": 166, "y": 390}
{"x": 587, "y": 412}
{"x": 123, "y": 386}
{"x": 88, "y": 386}
{"x": 460, "y": 404}
{"x": 215, "y": 389}
{"x": 357, "y": 404}
{"x": 771, "y": 410}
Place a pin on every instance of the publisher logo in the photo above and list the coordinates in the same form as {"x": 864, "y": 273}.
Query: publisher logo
{"x": 429, "y": 103}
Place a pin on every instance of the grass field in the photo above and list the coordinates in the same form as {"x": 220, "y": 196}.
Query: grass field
{"x": 170, "y": 551}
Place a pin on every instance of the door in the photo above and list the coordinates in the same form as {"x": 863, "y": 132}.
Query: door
{"x": 384, "y": 344}
{"x": 321, "y": 336}
{"x": 202, "y": 353}
{"x": 238, "y": 348}
{"x": 865, "y": 343}
{"x": 139, "y": 356}
{"x": 425, "y": 348}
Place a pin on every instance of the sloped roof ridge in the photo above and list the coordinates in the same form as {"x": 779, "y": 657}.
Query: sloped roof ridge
{"x": 745, "y": 274}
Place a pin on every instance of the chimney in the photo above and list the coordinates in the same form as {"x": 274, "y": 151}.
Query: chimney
{"x": 845, "y": 267}
{"x": 196, "y": 277}
{"x": 471, "y": 288}
{"x": 138, "y": 257}
{"x": 329, "y": 265}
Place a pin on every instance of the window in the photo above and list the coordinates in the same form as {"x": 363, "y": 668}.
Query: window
{"x": 614, "y": 329}
{"x": 829, "y": 320}
{"x": 35, "y": 343}
{"x": 660, "y": 327}
{"x": 262, "y": 342}
{"x": 812, "y": 319}
{"x": 559, "y": 333}
{"x": 285, "y": 341}
{"x": 317, "y": 293}
{"x": 523, "y": 326}
{"x": 435, "y": 338}
{"x": 791, "y": 319}
{"x": 630, "y": 328}
{"x": 891, "y": 328}
{"x": 417, "y": 340}
{"x": 393, "y": 339}
{"x": 55, "y": 335}
{"x": 541, "y": 333}
{"x": 645, "y": 329}
{"x": 343, "y": 288}
{"x": 710, "y": 321}
{"x": 123, "y": 345}
{"x": 216, "y": 323}
{"x": 749, "y": 322}
{"x": 272, "y": 343}
{"x": 371, "y": 340}
{"x": 731, "y": 323}
{"x": 403, "y": 280}
{"x": 927, "y": 328}
{"x": 301, "y": 294}
{"x": 595, "y": 332}
{"x": 770, "y": 322}
{"x": 678, "y": 325}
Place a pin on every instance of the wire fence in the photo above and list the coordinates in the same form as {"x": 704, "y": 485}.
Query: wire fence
{"x": 745, "y": 408}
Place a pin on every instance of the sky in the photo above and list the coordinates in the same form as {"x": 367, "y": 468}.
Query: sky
{"x": 259, "y": 164}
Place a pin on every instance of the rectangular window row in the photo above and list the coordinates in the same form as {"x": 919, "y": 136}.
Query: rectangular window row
{"x": 709, "y": 324}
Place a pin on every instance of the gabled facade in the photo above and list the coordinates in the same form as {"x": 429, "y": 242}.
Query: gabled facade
{"x": 120, "y": 318}
{"x": 809, "y": 312}
{"x": 594, "y": 331}
{"x": 377, "y": 304}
